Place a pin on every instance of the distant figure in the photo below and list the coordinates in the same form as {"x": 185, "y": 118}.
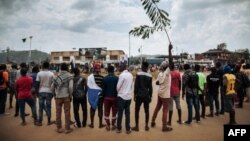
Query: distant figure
{"x": 143, "y": 90}
{"x": 220, "y": 72}
{"x": 124, "y": 89}
{"x": 247, "y": 72}
{"x": 110, "y": 98}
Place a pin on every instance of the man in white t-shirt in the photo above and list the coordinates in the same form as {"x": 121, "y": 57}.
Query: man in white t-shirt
{"x": 44, "y": 80}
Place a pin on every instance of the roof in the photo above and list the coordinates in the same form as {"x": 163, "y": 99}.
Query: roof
{"x": 216, "y": 51}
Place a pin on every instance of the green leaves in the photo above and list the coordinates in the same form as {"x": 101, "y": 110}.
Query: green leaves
{"x": 158, "y": 17}
{"x": 144, "y": 31}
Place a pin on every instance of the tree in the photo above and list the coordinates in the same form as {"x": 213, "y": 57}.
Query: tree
{"x": 158, "y": 17}
{"x": 222, "y": 46}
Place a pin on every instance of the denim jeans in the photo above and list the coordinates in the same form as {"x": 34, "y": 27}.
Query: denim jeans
{"x": 213, "y": 97}
{"x": 123, "y": 105}
{"x": 45, "y": 98}
{"x": 192, "y": 100}
{"x": 31, "y": 103}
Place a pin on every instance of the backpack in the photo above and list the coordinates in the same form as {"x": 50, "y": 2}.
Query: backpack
{"x": 1, "y": 78}
{"x": 193, "y": 80}
{"x": 78, "y": 89}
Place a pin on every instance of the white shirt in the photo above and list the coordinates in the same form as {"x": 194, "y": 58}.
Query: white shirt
{"x": 164, "y": 79}
{"x": 124, "y": 85}
{"x": 45, "y": 78}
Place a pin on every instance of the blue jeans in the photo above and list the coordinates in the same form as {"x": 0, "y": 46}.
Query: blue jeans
{"x": 192, "y": 100}
{"x": 31, "y": 103}
{"x": 45, "y": 98}
{"x": 123, "y": 105}
{"x": 213, "y": 97}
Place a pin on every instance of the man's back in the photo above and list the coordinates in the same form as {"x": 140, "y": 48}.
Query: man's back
{"x": 213, "y": 82}
{"x": 143, "y": 84}
{"x": 45, "y": 78}
{"x": 109, "y": 85}
{"x": 175, "y": 83}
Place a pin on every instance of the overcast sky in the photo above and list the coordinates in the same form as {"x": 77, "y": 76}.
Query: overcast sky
{"x": 56, "y": 25}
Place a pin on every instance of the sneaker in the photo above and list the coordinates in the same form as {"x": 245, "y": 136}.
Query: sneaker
{"x": 91, "y": 125}
{"x": 26, "y": 114}
{"x": 198, "y": 121}
{"x": 68, "y": 130}
{"x": 167, "y": 129}
{"x": 51, "y": 122}
{"x": 113, "y": 127}
{"x": 169, "y": 123}
{"x": 128, "y": 132}
{"x": 135, "y": 129}
{"x": 118, "y": 130}
{"x": 146, "y": 128}
{"x": 71, "y": 122}
{"x": 152, "y": 124}
{"x": 187, "y": 122}
{"x": 77, "y": 125}
{"x": 16, "y": 115}
{"x": 179, "y": 121}
{"x": 83, "y": 125}
{"x": 102, "y": 125}
{"x": 38, "y": 123}
{"x": 60, "y": 130}
{"x": 217, "y": 113}
{"x": 210, "y": 115}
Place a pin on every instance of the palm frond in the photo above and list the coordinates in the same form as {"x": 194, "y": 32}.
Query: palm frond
{"x": 142, "y": 31}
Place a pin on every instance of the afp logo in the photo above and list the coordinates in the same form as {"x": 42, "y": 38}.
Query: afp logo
{"x": 239, "y": 132}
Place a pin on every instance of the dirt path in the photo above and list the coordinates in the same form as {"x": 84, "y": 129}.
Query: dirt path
{"x": 210, "y": 129}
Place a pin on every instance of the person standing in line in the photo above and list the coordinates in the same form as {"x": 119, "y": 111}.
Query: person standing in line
{"x": 12, "y": 79}
{"x": 164, "y": 82}
{"x": 124, "y": 89}
{"x": 4, "y": 81}
{"x": 242, "y": 84}
{"x": 79, "y": 98}
{"x": 44, "y": 80}
{"x": 213, "y": 83}
{"x": 246, "y": 71}
{"x": 220, "y": 72}
{"x": 110, "y": 97}
{"x": 229, "y": 85}
{"x": 23, "y": 87}
{"x": 201, "y": 90}
{"x": 143, "y": 90}
{"x": 175, "y": 94}
{"x": 63, "y": 87}
{"x": 190, "y": 86}
{"x": 34, "y": 73}
{"x": 95, "y": 95}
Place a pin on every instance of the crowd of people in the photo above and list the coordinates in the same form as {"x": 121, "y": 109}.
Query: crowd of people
{"x": 114, "y": 93}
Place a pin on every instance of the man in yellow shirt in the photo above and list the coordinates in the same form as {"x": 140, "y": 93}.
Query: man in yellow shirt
{"x": 229, "y": 80}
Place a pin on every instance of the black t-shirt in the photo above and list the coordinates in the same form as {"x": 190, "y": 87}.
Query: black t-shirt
{"x": 213, "y": 83}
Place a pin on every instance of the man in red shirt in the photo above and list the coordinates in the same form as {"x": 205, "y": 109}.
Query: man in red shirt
{"x": 175, "y": 93}
{"x": 23, "y": 87}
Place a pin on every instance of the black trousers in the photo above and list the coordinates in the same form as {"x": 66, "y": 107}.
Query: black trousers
{"x": 77, "y": 102}
{"x": 100, "y": 111}
{"x": 3, "y": 99}
{"x": 138, "y": 104}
